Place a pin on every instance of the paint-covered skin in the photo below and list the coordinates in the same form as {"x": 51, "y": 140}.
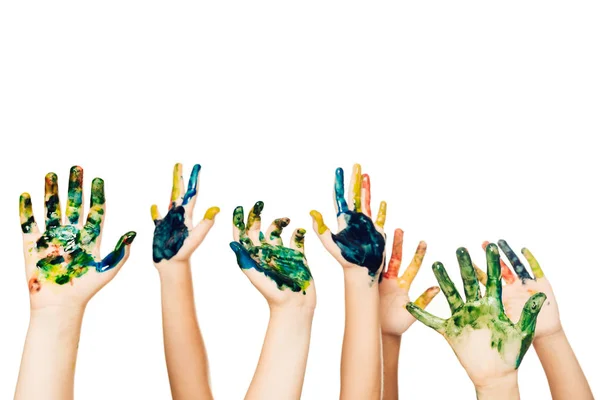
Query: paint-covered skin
{"x": 393, "y": 290}
{"x": 360, "y": 241}
{"x": 282, "y": 271}
{"x": 67, "y": 251}
{"x": 175, "y": 236}
{"x": 487, "y": 343}
{"x": 519, "y": 286}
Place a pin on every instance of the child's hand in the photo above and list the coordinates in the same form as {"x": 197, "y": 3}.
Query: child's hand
{"x": 280, "y": 273}
{"x": 393, "y": 290}
{"x": 63, "y": 264}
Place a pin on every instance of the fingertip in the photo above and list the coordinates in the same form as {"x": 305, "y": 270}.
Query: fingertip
{"x": 437, "y": 266}
{"x": 211, "y": 213}
{"x": 129, "y": 237}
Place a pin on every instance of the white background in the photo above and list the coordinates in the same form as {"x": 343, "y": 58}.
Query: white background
{"x": 475, "y": 121}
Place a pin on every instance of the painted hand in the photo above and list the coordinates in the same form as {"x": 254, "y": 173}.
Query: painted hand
{"x": 393, "y": 290}
{"x": 280, "y": 273}
{"x": 487, "y": 344}
{"x": 518, "y": 288}
{"x": 359, "y": 243}
{"x": 175, "y": 236}
{"x": 63, "y": 264}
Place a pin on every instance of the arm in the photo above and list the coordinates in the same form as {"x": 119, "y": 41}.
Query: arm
{"x": 282, "y": 364}
{"x": 187, "y": 363}
{"x": 64, "y": 271}
{"x": 361, "y": 349}
{"x": 282, "y": 276}
{"x": 48, "y": 371}
{"x": 175, "y": 240}
{"x": 359, "y": 247}
{"x": 391, "y": 355}
{"x": 565, "y": 376}
{"x": 504, "y": 388}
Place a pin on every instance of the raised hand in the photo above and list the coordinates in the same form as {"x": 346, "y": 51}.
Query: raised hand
{"x": 486, "y": 342}
{"x": 280, "y": 273}
{"x": 175, "y": 236}
{"x": 520, "y": 285}
{"x": 393, "y": 290}
{"x": 359, "y": 243}
{"x": 63, "y": 264}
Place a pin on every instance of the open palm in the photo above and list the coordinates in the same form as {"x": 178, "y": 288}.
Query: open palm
{"x": 280, "y": 273}
{"x": 486, "y": 342}
{"x": 63, "y": 263}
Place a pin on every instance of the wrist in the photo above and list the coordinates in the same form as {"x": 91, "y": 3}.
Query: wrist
{"x": 359, "y": 278}
{"x": 57, "y": 313}
{"x": 173, "y": 270}
{"x": 506, "y": 387}
{"x": 546, "y": 340}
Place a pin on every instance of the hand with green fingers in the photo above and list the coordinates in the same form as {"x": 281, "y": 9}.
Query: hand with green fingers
{"x": 63, "y": 263}
{"x": 489, "y": 346}
{"x": 393, "y": 290}
{"x": 520, "y": 285}
{"x": 280, "y": 273}
{"x": 360, "y": 241}
{"x": 175, "y": 236}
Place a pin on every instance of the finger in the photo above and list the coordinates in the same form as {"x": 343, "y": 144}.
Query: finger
{"x": 424, "y": 299}
{"x": 447, "y": 286}
{"x": 92, "y": 229}
{"x": 324, "y": 235}
{"x": 275, "y": 229}
{"x": 239, "y": 228}
{"x": 119, "y": 255}
{"x": 28, "y": 225}
{"x": 192, "y": 190}
{"x": 413, "y": 268}
{"x": 243, "y": 257}
{"x": 396, "y": 258}
{"x": 426, "y": 318}
{"x": 481, "y": 275}
{"x": 493, "y": 287}
{"x": 177, "y": 189}
{"x": 318, "y": 222}
{"x": 467, "y": 272}
{"x": 531, "y": 309}
{"x": 297, "y": 242}
{"x": 52, "y": 201}
{"x": 340, "y": 202}
{"x": 365, "y": 195}
{"x": 354, "y": 193}
{"x": 253, "y": 224}
{"x": 74, "y": 210}
{"x": 533, "y": 263}
{"x": 517, "y": 265}
{"x": 507, "y": 274}
{"x": 155, "y": 214}
{"x": 381, "y": 215}
{"x": 199, "y": 232}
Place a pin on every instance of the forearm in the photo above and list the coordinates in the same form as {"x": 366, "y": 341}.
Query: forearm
{"x": 391, "y": 354}
{"x": 282, "y": 364}
{"x": 187, "y": 362}
{"x": 564, "y": 374}
{"x": 505, "y": 388}
{"x": 50, "y": 352}
{"x": 361, "y": 349}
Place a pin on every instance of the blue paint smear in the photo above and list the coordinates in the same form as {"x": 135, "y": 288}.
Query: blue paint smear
{"x": 340, "y": 200}
{"x": 192, "y": 184}
{"x": 360, "y": 242}
{"x": 514, "y": 261}
{"x": 169, "y": 234}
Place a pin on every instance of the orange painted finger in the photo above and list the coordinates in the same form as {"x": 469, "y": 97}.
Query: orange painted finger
{"x": 396, "y": 259}
{"x": 413, "y": 268}
{"x": 366, "y": 194}
{"x": 481, "y": 275}
{"x": 428, "y": 295}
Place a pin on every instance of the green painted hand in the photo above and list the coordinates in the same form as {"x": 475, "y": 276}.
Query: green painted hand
{"x": 280, "y": 273}
{"x": 486, "y": 342}
{"x": 63, "y": 264}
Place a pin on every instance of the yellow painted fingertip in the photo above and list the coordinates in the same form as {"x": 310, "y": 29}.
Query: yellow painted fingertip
{"x": 382, "y": 214}
{"x": 211, "y": 213}
{"x": 428, "y": 295}
{"x": 154, "y": 212}
{"x": 318, "y": 218}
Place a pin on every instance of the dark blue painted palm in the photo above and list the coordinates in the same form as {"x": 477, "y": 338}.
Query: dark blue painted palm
{"x": 360, "y": 242}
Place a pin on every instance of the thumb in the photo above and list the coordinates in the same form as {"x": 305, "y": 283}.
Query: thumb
{"x": 530, "y": 313}
{"x": 119, "y": 255}
{"x": 243, "y": 257}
